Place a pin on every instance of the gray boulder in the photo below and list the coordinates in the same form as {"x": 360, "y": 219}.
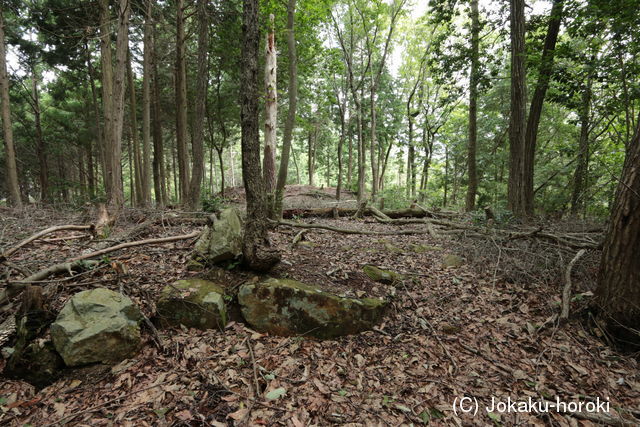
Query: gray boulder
{"x": 97, "y": 325}
{"x": 194, "y": 303}
{"x": 222, "y": 241}
{"x": 287, "y": 307}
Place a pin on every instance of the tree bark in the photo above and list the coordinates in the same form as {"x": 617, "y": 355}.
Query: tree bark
{"x": 181, "y": 105}
{"x": 516, "y": 192}
{"x": 617, "y": 295}
{"x": 10, "y": 153}
{"x": 257, "y": 255}
{"x": 271, "y": 115}
{"x": 474, "y": 77}
{"x": 535, "y": 111}
{"x": 200, "y": 107}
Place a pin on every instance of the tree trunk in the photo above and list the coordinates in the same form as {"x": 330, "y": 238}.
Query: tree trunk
{"x": 349, "y": 156}
{"x": 136, "y": 178}
{"x": 516, "y": 192}
{"x": 617, "y": 295}
{"x": 41, "y": 147}
{"x": 159, "y": 168}
{"x": 311, "y": 157}
{"x": 257, "y": 255}
{"x": 373, "y": 147}
{"x": 291, "y": 114}
{"x": 99, "y": 135}
{"x": 271, "y": 115}
{"x": 10, "y": 153}
{"x": 340, "y": 145}
{"x": 535, "y": 111}
{"x": 146, "y": 104}
{"x": 201, "y": 96}
{"x": 580, "y": 176}
{"x": 472, "y": 188}
{"x": 221, "y": 162}
{"x": 181, "y": 105}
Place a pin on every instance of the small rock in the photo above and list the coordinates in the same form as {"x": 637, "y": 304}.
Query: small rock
{"x": 449, "y": 329}
{"x": 287, "y": 307}
{"x": 194, "y": 303}
{"x": 383, "y": 276}
{"x": 97, "y": 325}
{"x": 453, "y": 261}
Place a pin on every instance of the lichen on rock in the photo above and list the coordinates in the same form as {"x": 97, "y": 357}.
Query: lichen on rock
{"x": 98, "y": 325}
{"x": 194, "y": 303}
{"x": 386, "y": 277}
{"x": 287, "y": 307}
{"x": 221, "y": 241}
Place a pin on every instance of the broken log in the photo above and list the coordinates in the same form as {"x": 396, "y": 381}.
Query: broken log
{"x": 346, "y": 212}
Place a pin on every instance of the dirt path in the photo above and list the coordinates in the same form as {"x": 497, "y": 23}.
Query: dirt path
{"x": 450, "y": 333}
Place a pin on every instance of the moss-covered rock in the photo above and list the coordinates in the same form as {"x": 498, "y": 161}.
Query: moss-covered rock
{"x": 194, "y": 303}
{"x": 287, "y": 307}
{"x": 420, "y": 249}
{"x": 222, "y": 241}
{"x": 452, "y": 261}
{"x": 383, "y": 276}
{"x": 97, "y": 325}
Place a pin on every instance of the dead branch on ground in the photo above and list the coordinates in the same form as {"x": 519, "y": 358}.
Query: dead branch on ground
{"x": 566, "y": 292}
{"x": 7, "y": 253}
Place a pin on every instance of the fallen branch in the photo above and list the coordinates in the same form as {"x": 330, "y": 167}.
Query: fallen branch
{"x": 136, "y": 243}
{"x": 81, "y": 262}
{"x": 566, "y": 292}
{"x": 7, "y": 253}
{"x": 351, "y": 231}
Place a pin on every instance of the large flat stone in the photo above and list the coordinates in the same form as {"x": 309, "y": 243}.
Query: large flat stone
{"x": 287, "y": 307}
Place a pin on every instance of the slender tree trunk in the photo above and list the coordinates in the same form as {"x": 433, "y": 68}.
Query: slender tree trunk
{"x": 107, "y": 93}
{"x": 340, "y": 145}
{"x": 535, "y": 111}
{"x": 221, "y": 163}
{"x": 472, "y": 188}
{"x": 617, "y": 295}
{"x": 580, "y": 176}
{"x": 516, "y": 192}
{"x": 136, "y": 178}
{"x": 271, "y": 115}
{"x": 201, "y": 95}
{"x": 311, "y": 157}
{"x": 291, "y": 114}
{"x": 350, "y": 156}
{"x": 41, "y": 147}
{"x": 159, "y": 168}
{"x": 146, "y": 104}
{"x": 257, "y": 255}
{"x": 446, "y": 175}
{"x": 99, "y": 134}
{"x": 181, "y": 104}
{"x": 373, "y": 147}
{"x": 9, "y": 150}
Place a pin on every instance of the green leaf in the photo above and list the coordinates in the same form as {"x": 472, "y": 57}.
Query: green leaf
{"x": 342, "y": 392}
{"x": 276, "y": 394}
{"x": 494, "y": 417}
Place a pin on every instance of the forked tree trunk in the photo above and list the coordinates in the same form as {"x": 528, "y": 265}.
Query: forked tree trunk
{"x": 535, "y": 111}
{"x": 136, "y": 177}
{"x": 255, "y": 246}
{"x": 617, "y": 295}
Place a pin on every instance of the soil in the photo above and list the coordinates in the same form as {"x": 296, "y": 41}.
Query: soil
{"x": 449, "y": 333}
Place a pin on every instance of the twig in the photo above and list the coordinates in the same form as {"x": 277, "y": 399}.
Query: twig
{"x": 255, "y": 369}
{"x": 566, "y": 292}
{"x": 350, "y": 231}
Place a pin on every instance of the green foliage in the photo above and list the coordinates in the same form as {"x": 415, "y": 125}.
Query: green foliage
{"x": 213, "y": 203}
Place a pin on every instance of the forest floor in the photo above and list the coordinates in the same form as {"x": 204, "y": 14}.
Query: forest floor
{"x": 449, "y": 333}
